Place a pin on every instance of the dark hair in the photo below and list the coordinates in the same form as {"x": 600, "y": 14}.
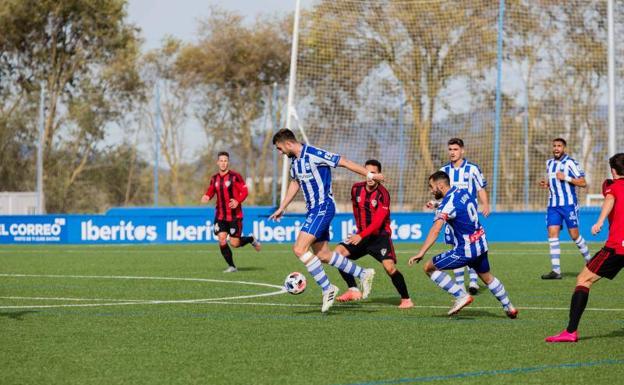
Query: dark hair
{"x": 374, "y": 162}
{"x": 440, "y": 176}
{"x": 616, "y": 162}
{"x": 456, "y": 141}
{"x": 284, "y": 135}
{"x": 565, "y": 144}
{"x": 223, "y": 153}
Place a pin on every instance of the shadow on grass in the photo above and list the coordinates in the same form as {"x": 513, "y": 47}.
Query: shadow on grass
{"x": 613, "y": 334}
{"x": 251, "y": 268}
{"x": 16, "y": 315}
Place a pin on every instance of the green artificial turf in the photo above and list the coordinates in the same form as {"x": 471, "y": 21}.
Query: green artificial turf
{"x": 143, "y": 329}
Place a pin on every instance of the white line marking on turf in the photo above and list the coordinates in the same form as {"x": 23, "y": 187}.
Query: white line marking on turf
{"x": 138, "y": 302}
{"x": 220, "y": 301}
{"x": 75, "y": 299}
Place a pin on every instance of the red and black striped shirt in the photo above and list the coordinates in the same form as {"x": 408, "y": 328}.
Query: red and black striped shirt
{"x": 230, "y": 185}
{"x": 371, "y": 210}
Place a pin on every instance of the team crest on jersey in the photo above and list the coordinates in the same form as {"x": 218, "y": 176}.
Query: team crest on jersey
{"x": 358, "y": 199}
{"x": 466, "y": 176}
{"x": 227, "y": 183}
{"x": 374, "y": 203}
{"x": 232, "y": 231}
{"x": 383, "y": 252}
{"x": 307, "y": 167}
{"x": 217, "y": 184}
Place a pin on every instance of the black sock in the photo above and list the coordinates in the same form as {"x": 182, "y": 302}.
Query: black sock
{"x": 246, "y": 240}
{"x": 227, "y": 254}
{"x": 577, "y": 306}
{"x": 348, "y": 278}
{"x": 399, "y": 282}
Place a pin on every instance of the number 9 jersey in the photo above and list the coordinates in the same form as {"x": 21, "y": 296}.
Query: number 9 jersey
{"x": 458, "y": 210}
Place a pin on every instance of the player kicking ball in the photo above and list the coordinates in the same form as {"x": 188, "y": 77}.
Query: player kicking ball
{"x": 458, "y": 209}
{"x": 610, "y": 259}
{"x": 310, "y": 171}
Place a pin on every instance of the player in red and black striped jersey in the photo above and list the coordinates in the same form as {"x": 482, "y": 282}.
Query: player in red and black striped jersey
{"x": 610, "y": 259}
{"x": 231, "y": 190}
{"x": 371, "y": 208}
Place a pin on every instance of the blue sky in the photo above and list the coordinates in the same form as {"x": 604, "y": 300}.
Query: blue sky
{"x": 158, "y": 18}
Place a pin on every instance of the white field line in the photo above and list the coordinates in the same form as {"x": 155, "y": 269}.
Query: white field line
{"x": 140, "y": 278}
{"x": 113, "y": 302}
{"x": 223, "y": 300}
{"x": 75, "y": 299}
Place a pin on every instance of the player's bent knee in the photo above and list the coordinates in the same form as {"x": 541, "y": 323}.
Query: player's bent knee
{"x": 299, "y": 251}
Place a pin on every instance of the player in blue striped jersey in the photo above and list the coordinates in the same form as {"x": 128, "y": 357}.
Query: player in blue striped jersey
{"x": 310, "y": 170}
{"x": 466, "y": 175}
{"x": 458, "y": 210}
{"x": 564, "y": 175}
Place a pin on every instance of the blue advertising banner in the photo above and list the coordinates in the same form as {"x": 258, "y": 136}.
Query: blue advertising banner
{"x": 195, "y": 225}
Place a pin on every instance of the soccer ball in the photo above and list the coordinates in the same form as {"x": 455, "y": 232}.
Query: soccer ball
{"x": 295, "y": 283}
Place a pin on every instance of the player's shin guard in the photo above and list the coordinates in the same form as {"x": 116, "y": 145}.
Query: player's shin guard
{"x": 315, "y": 268}
{"x": 580, "y": 243}
{"x": 348, "y": 278}
{"x": 555, "y": 254}
{"x": 345, "y": 265}
{"x": 577, "y": 307}
{"x": 497, "y": 288}
{"x": 227, "y": 254}
{"x": 246, "y": 240}
{"x": 399, "y": 283}
{"x": 459, "y": 276}
{"x": 445, "y": 282}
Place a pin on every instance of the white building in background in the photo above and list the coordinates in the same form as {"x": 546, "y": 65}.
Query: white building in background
{"x": 18, "y": 203}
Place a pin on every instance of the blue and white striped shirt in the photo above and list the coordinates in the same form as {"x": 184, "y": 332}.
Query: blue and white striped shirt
{"x": 312, "y": 170}
{"x": 467, "y": 176}
{"x": 459, "y": 210}
{"x": 562, "y": 193}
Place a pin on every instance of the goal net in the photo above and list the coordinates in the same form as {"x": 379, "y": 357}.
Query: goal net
{"x": 394, "y": 80}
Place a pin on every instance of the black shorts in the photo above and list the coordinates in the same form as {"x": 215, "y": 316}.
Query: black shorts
{"x": 233, "y": 228}
{"x": 379, "y": 246}
{"x": 606, "y": 263}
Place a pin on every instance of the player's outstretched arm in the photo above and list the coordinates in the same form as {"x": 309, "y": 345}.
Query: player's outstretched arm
{"x": 291, "y": 193}
{"x": 607, "y": 206}
{"x": 358, "y": 169}
{"x": 429, "y": 241}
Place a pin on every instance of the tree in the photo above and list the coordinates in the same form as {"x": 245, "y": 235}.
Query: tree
{"x": 160, "y": 70}
{"x": 84, "y": 53}
{"x": 235, "y": 66}
{"x": 425, "y": 45}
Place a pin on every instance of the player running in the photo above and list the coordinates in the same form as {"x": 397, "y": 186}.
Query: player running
{"x": 458, "y": 210}
{"x": 564, "y": 175}
{"x": 610, "y": 259}
{"x": 465, "y": 175}
{"x": 310, "y": 171}
{"x": 231, "y": 190}
{"x": 371, "y": 208}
